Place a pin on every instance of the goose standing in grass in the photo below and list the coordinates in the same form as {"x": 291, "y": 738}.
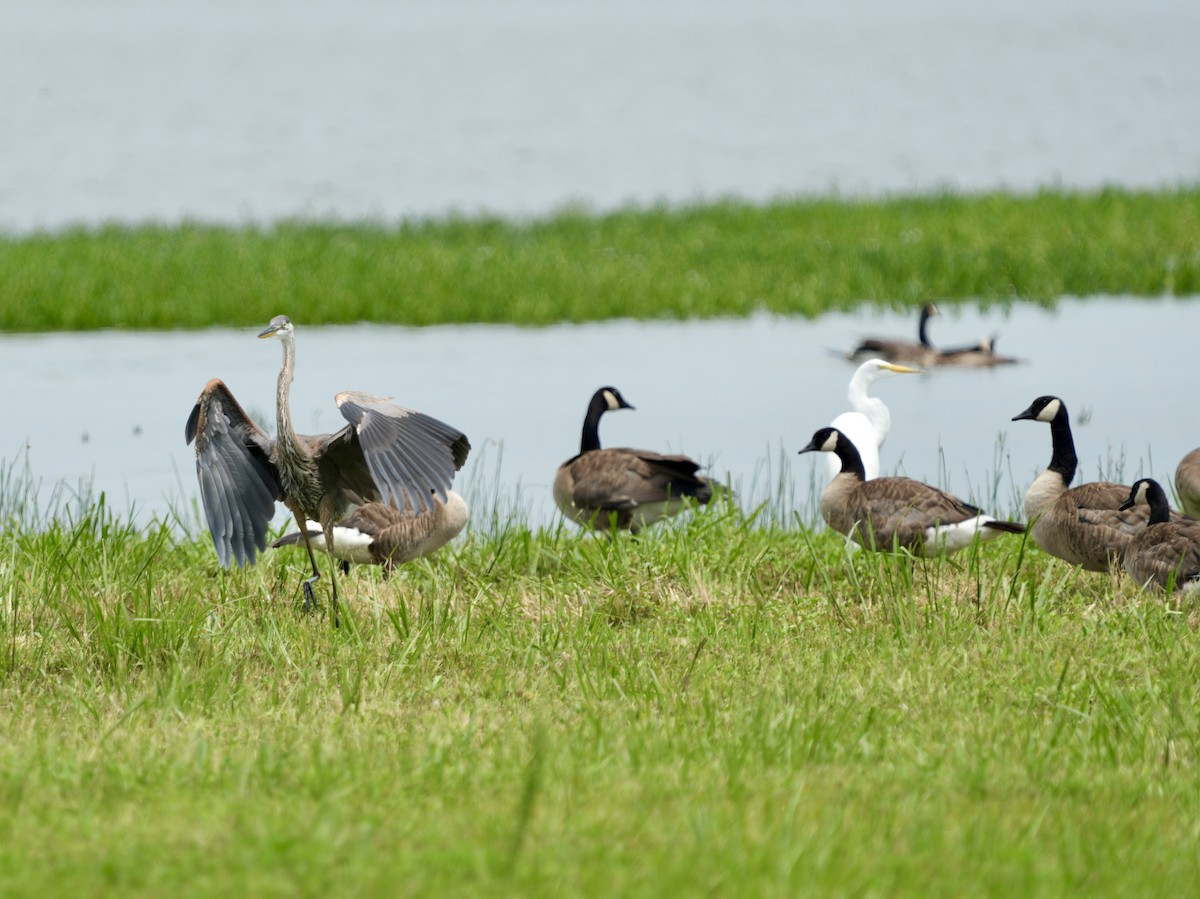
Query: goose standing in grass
{"x": 887, "y": 512}
{"x": 920, "y": 353}
{"x": 1187, "y": 483}
{"x": 385, "y": 454}
{"x": 868, "y": 424}
{"x": 1165, "y": 552}
{"x": 379, "y": 534}
{"x": 627, "y": 489}
{"x": 1083, "y": 525}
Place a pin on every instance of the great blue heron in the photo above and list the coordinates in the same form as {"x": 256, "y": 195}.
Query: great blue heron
{"x": 386, "y": 453}
{"x": 379, "y": 534}
{"x": 626, "y": 488}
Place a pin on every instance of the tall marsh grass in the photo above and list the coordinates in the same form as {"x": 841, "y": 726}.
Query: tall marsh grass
{"x": 723, "y": 704}
{"x": 799, "y": 257}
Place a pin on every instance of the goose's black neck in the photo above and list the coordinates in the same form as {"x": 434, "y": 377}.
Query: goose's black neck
{"x": 922, "y": 333}
{"x": 591, "y": 423}
{"x": 851, "y": 461}
{"x": 1156, "y": 499}
{"x": 1063, "y": 460}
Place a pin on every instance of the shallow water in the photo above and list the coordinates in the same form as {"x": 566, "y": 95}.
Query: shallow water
{"x": 223, "y": 110}
{"x": 741, "y": 395}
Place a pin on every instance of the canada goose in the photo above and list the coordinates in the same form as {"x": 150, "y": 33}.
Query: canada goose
{"x": 920, "y": 353}
{"x": 868, "y": 425}
{"x": 624, "y": 488}
{"x": 1083, "y": 525}
{"x": 897, "y": 511}
{"x": 980, "y": 355}
{"x": 1187, "y": 483}
{"x": 1165, "y": 552}
{"x": 379, "y": 534}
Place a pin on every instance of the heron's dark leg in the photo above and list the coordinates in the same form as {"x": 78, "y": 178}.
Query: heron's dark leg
{"x": 327, "y": 526}
{"x": 310, "y": 601}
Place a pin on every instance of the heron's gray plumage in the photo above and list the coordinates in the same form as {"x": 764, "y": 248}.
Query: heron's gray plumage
{"x": 386, "y": 451}
{"x": 404, "y": 450}
{"x": 238, "y": 484}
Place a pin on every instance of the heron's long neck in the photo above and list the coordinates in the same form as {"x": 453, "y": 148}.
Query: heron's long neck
{"x": 1063, "y": 460}
{"x": 872, "y": 407}
{"x": 285, "y": 433}
{"x": 591, "y": 425}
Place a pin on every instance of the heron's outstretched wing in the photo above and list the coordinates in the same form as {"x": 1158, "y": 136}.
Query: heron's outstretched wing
{"x": 238, "y": 484}
{"x": 408, "y": 454}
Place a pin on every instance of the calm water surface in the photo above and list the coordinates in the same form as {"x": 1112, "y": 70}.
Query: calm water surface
{"x": 741, "y": 395}
{"x": 224, "y": 110}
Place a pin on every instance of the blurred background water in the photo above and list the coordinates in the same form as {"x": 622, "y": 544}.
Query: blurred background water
{"x": 233, "y": 111}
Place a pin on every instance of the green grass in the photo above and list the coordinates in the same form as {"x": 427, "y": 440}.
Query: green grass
{"x": 795, "y": 257}
{"x": 723, "y": 707}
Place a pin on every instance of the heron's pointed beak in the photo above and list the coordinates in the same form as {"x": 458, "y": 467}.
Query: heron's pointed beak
{"x": 268, "y": 331}
{"x": 903, "y": 369}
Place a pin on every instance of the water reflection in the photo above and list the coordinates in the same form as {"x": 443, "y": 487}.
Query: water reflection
{"x": 741, "y": 395}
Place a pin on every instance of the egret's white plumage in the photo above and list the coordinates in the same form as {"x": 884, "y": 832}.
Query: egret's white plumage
{"x": 868, "y": 424}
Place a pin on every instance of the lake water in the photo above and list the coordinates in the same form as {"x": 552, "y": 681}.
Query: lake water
{"x": 231, "y": 111}
{"x": 740, "y": 395}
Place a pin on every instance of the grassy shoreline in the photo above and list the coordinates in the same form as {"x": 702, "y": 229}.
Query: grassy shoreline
{"x": 798, "y": 257}
{"x": 718, "y": 707}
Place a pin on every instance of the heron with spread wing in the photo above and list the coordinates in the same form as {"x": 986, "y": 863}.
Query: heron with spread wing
{"x": 386, "y": 453}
